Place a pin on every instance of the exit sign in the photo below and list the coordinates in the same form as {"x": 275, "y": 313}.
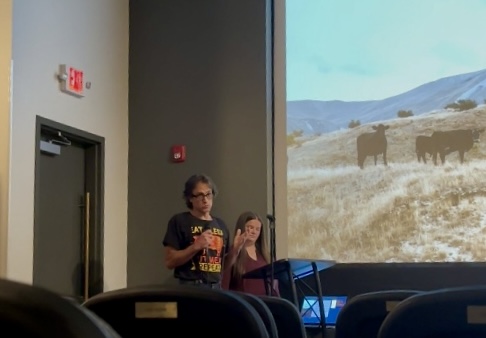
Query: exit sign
{"x": 72, "y": 80}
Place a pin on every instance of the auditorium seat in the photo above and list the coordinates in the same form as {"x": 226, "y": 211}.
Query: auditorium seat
{"x": 445, "y": 313}
{"x": 263, "y": 311}
{"x": 287, "y": 317}
{"x": 31, "y": 311}
{"x": 363, "y": 314}
{"x": 144, "y": 312}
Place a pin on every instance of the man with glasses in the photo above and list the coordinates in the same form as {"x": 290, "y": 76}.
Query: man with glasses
{"x": 196, "y": 242}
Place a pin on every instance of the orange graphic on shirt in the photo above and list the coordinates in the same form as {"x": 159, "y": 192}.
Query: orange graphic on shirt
{"x": 210, "y": 261}
{"x": 216, "y": 244}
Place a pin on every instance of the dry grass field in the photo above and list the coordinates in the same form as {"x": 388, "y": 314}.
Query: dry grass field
{"x": 405, "y": 212}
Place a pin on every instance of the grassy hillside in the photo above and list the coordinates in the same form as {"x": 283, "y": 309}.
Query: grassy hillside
{"x": 407, "y": 211}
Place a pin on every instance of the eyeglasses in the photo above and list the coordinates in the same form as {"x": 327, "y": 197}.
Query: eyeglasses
{"x": 201, "y": 196}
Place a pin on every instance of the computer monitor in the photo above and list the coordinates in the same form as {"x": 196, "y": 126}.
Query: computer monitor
{"x": 310, "y": 309}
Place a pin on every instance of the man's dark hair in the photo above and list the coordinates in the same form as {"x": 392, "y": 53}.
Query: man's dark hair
{"x": 191, "y": 184}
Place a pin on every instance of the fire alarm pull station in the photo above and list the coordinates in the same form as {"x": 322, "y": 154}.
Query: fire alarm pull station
{"x": 178, "y": 153}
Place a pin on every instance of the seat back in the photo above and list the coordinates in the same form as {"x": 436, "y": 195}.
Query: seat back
{"x": 263, "y": 311}
{"x": 148, "y": 311}
{"x": 287, "y": 317}
{"x": 363, "y": 314}
{"x": 445, "y": 313}
{"x": 35, "y": 312}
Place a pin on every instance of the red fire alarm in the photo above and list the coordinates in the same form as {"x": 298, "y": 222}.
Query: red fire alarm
{"x": 178, "y": 153}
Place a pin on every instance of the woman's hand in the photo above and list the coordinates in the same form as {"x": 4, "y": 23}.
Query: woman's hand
{"x": 239, "y": 241}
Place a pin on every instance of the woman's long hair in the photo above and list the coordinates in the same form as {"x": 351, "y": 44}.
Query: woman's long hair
{"x": 261, "y": 245}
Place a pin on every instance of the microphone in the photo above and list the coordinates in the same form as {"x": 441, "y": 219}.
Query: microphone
{"x": 271, "y": 219}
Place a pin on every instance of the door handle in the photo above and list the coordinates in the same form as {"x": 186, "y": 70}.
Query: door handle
{"x": 86, "y": 246}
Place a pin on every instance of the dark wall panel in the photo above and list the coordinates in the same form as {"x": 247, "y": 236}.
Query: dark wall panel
{"x": 198, "y": 77}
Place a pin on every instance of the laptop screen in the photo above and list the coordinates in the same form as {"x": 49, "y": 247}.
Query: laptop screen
{"x": 310, "y": 309}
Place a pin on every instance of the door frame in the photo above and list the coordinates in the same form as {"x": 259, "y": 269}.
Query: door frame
{"x": 94, "y": 174}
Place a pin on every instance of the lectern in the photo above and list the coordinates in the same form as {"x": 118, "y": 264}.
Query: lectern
{"x": 292, "y": 269}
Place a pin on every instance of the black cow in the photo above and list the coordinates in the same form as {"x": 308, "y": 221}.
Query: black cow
{"x": 372, "y": 144}
{"x": 446, "y": 142}
{"x": 423, "y": 146}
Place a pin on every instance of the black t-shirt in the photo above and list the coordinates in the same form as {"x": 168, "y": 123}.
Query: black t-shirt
{"x": 207, "y": 265}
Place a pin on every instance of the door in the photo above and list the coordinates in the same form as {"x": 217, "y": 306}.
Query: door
{"x": 68, "y": 209}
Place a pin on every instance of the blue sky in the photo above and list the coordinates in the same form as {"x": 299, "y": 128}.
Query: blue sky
{"x": 355, "y": 50}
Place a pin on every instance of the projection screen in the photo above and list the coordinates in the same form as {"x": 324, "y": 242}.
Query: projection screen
{"x": 386, "y": 111}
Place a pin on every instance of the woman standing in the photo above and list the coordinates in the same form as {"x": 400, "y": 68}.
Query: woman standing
{"x": 253, "y": 254}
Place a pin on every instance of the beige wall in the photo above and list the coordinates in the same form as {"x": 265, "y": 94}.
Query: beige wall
{"x": 44, "y": 37}
{"x": 5, "y": 57}
{"x": 91, "y": 35}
